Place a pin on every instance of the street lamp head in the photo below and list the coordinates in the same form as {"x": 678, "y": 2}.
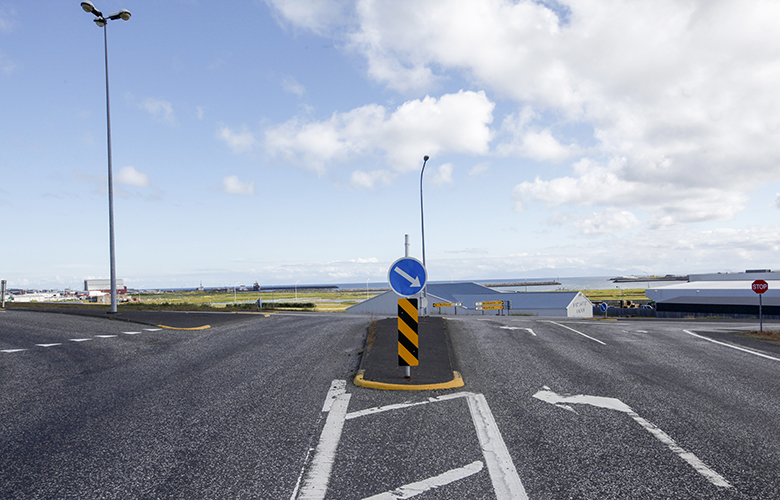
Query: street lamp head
{"x": 88, "y": 7}
{"x": 425, "y": 158}
{"x": 123, "y": 14}
{"x": 100, "y": 21}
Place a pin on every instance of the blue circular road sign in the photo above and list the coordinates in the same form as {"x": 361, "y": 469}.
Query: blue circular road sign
{"x": 407, "y": 276}
{"x": 603, "y": 307}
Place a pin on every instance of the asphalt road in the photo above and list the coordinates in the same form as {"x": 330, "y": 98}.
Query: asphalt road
{"x": 263, "y": 408}
{"x": 88, "y": 410}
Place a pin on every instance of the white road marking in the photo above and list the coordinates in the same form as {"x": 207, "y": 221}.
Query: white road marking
{"x": 79, "y": 340}
{"x": 47, "y": 345}
{"x": 152, "y": 329}
{"x": 749, "y": 351}
{"x": 337, "y": 388}
{"x": 506, "y": 482}
{"x": 105, "y": 336}
{"x": 316, "y": 483}
{"x": 131, "y": 333}
{"x": 400, "y": 406}
{"x": 617, "y": 405}
{"x": 414, "y": 489}
{"x": 575, "y": 331}
{"x": 641, "y": 331}
{"x": 9, "y": 351}
{"x": 529, "y": 330}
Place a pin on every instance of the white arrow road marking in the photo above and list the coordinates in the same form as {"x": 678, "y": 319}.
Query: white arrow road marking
{"x": 415, "y": 282}
{"x": 617, "y": 405}
{"x": 414, "y": 489}
{"x": 529, "y": 330}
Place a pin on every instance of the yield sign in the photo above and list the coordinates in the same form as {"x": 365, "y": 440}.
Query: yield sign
{"x": 407, "y": 276}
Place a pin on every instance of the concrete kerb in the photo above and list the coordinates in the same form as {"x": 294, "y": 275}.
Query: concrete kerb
{"x": 378, "y": 365}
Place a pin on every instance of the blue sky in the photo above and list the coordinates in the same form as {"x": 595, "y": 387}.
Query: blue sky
{"x": 282, "y": 141}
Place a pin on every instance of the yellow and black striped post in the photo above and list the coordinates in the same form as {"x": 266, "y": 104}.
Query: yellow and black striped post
{"x": 407, "y": 332}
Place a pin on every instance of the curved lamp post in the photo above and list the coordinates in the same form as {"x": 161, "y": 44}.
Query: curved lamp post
{"x": 101, "y": 21}
{"x": 422, "y": 223}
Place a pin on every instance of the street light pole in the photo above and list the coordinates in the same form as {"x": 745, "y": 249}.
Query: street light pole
{"x": 102, "y": 22}
{"x": 422, "y": 224}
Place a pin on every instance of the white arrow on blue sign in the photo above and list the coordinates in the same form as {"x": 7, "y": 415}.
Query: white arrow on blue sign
{"x": 407, "y": 276}
{"x": 603, "y": 307}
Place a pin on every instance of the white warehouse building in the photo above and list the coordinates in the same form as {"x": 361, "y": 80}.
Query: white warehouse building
{"x": 718, "y": 293}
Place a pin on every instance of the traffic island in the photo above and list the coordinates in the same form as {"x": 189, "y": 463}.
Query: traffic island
{"x": 379, "y": 367}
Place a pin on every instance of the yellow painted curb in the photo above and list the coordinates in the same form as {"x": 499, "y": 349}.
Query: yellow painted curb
{"x": 204, "y": 327}
{"x": 457, "y": 381}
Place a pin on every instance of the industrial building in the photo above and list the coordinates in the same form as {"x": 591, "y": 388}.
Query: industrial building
{"x": 97, "y": 287}
{"x": 718, "y": 294}
{"x": 469, "y": 295}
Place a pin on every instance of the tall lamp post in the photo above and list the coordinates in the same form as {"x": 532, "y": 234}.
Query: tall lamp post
{"x": 101, "y": 21}
{"x": 422, "y": 224}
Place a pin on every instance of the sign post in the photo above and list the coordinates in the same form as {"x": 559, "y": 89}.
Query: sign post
{"x": 2, "y": 294}
{"x": 760, "y": 286}
{"x": 407, "y": 278}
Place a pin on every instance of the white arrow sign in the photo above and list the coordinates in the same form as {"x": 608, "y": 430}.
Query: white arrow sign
{"x": 615, "y": 404}
{"x": 415, "y": 282}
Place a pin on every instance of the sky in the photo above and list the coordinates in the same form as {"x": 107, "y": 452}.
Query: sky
{"x": 282, "y": 141}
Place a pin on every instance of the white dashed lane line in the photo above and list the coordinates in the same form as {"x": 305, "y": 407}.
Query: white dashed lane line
{"x": 83, "y": 339}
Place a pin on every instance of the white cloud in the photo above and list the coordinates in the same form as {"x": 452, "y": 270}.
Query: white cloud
{"x": 132, "y": 177}
{"x": 292, "y": 86}
{"x": 7, "y": 19}
{"x": 239, "y": 142}
{"x": 682, "y": 92}
{"x": 200, "y": 112}
{"x": 456, "y": 123}
{"x": 232, "y": 185}
{"x": 609, "y": 221}
{"x": 160, "y": 109}
{"x": 7, "y": 66}
{"x": 443, "y": 175}
{"x": 479, "y": 169}
{"x": 595, "y": 184}
{"x": 318, "y": 16}
{"x": 367, "y": 180}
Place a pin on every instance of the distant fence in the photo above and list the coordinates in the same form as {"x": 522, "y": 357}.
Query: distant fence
{"x": 638, "y": 312}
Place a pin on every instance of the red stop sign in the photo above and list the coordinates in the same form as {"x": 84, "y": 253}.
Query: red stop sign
{"x": 760, "y": 286}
